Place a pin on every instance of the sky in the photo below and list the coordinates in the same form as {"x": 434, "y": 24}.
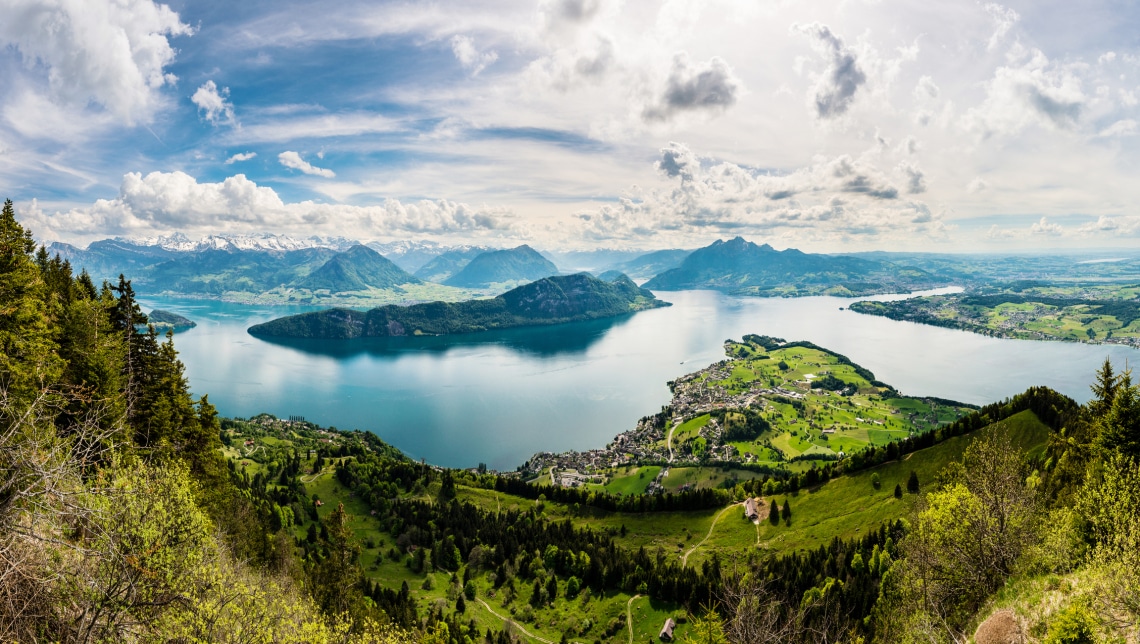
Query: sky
{"x": 575, "y": 124}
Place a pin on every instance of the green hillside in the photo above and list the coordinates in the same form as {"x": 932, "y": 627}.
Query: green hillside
{"x": 357, "y": 269}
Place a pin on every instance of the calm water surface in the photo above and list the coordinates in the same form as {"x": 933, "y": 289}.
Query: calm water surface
{"x": 499, "y": 397}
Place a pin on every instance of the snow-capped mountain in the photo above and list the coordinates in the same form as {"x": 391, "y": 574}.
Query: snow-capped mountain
{"x": 179, "y": 242}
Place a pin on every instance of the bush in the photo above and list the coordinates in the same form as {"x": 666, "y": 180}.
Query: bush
{"x": 1074, "y": 625}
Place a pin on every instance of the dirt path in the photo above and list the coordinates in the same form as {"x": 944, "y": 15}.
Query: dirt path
{"x": 685, "y": 559}
{"x": 517, "y": 625}
{"x": 629, "y": 616}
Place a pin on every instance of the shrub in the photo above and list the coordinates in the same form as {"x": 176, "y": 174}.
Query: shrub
{"x": 1074, "y": 625}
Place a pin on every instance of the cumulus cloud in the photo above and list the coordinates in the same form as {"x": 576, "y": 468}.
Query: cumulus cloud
{"x": 926, "y": 89}
{"x": 162, "y": 202}
{"x": 560, "y": 14}
{"x": 1035, "y": 92}
{"x": 1046, "y": 228}
{"x": 831, "y": 198}
{"x": 836, "y": 86}
{"x": 469, "y": 57}
{"x": 977, "y": 185}
{"x": 693, "y": 87}
{"x": 240, "y": 156}
{"x": 212, "y": 103}
{"x": 566, "y": 67}
{"x": 291, "y": 159}
{"x": 112, "y": 53}
{"x": 915, "y": 178}
{"x": 1004, "y": 19}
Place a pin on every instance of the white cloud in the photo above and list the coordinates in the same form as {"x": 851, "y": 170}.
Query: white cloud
{"x": 473, "y": 60}
{"x": 164, "y": 202}
{"x": 836, "y": 86}
{"x": 240, "y": 156}
{"x": 1123, "y": 127}
{"x": 1036, "y": 92}
{"x": 212, "y": 103}
{"x": 291, "y": 159}
{"x": 317, "y": 126}
{"x": 1004, "y": 19}
{"x": 834, "y": 198}
{"x": 977, "y": 185}
{"x": 110, "y": 52}
{"x": 1046, "y": 228}
{"x": 710, "y": 87}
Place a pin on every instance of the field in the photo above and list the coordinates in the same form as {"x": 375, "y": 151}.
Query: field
{"x": 816, "y": 404}
{"x": 1074, "y": 313}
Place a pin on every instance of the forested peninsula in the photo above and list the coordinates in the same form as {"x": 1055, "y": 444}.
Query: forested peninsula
{"x": 551, "y": 300}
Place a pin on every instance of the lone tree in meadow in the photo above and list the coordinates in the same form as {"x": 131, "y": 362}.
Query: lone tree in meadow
{"x": 912, "y": 483}
{"x": 774, "y": 512}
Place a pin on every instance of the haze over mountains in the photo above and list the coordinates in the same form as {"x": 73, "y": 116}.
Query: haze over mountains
{"x": 280, "y": 269}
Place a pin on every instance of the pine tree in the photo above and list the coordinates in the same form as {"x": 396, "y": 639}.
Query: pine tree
{"x": 774, "y": 512}
{"x": 28, "y": 356}
{"x": 786, "y": 512}
{"x": 1104, "y": 389}
{"x": 898, "y": 491}
{"x": 912, "y": 483}
{"x": 1119, "y": 427}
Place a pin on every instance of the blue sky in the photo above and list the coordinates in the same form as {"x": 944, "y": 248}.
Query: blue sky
{"x": 827, "y": 126}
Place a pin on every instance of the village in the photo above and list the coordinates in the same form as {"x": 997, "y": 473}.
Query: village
{"x": 807, "y": 421}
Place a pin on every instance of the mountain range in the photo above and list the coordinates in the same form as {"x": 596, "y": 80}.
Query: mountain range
{"x": 745, "y": 268}
{"x": 550, "y": 300}
{"x": 522, "y": 263}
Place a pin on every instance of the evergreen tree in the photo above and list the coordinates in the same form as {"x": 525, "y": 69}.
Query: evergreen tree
{"x": 912, "y": 483}
{"x": 774, "y": 512}
{"x": 1104, "y": 389}
{"x": 786, "y": 512}
{"x": 1119, "y": 427}
{"x": 28, "y": 356}
{"x": 898, "y": 491}
{"x": 335, "y": 576}
{"x": 460, "y": 605}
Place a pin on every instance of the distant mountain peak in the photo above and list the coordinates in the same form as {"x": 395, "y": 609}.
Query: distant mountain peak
{"x": 179, "y": 242}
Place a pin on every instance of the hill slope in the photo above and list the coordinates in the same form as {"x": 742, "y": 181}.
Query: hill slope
{"x": 742, "y": 267}
{"x": 356, "y": 269}
{"x": 444, "y": 266}
{"x": 511, "y": 265}
{"x": 551, "y": 300}
{"x": 654, "y": 263}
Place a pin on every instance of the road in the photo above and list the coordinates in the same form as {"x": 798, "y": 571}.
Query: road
{"x": 669, "y": 441}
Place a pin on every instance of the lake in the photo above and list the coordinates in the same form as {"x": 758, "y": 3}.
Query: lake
{"x": 499, "y": 397}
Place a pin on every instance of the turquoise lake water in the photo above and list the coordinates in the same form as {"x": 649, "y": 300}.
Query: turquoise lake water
{"x": 499, "y": 397}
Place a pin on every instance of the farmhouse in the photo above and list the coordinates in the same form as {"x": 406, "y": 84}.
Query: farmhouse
{"x": 750, "y": 511}
{"x": 667, "y": 630}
